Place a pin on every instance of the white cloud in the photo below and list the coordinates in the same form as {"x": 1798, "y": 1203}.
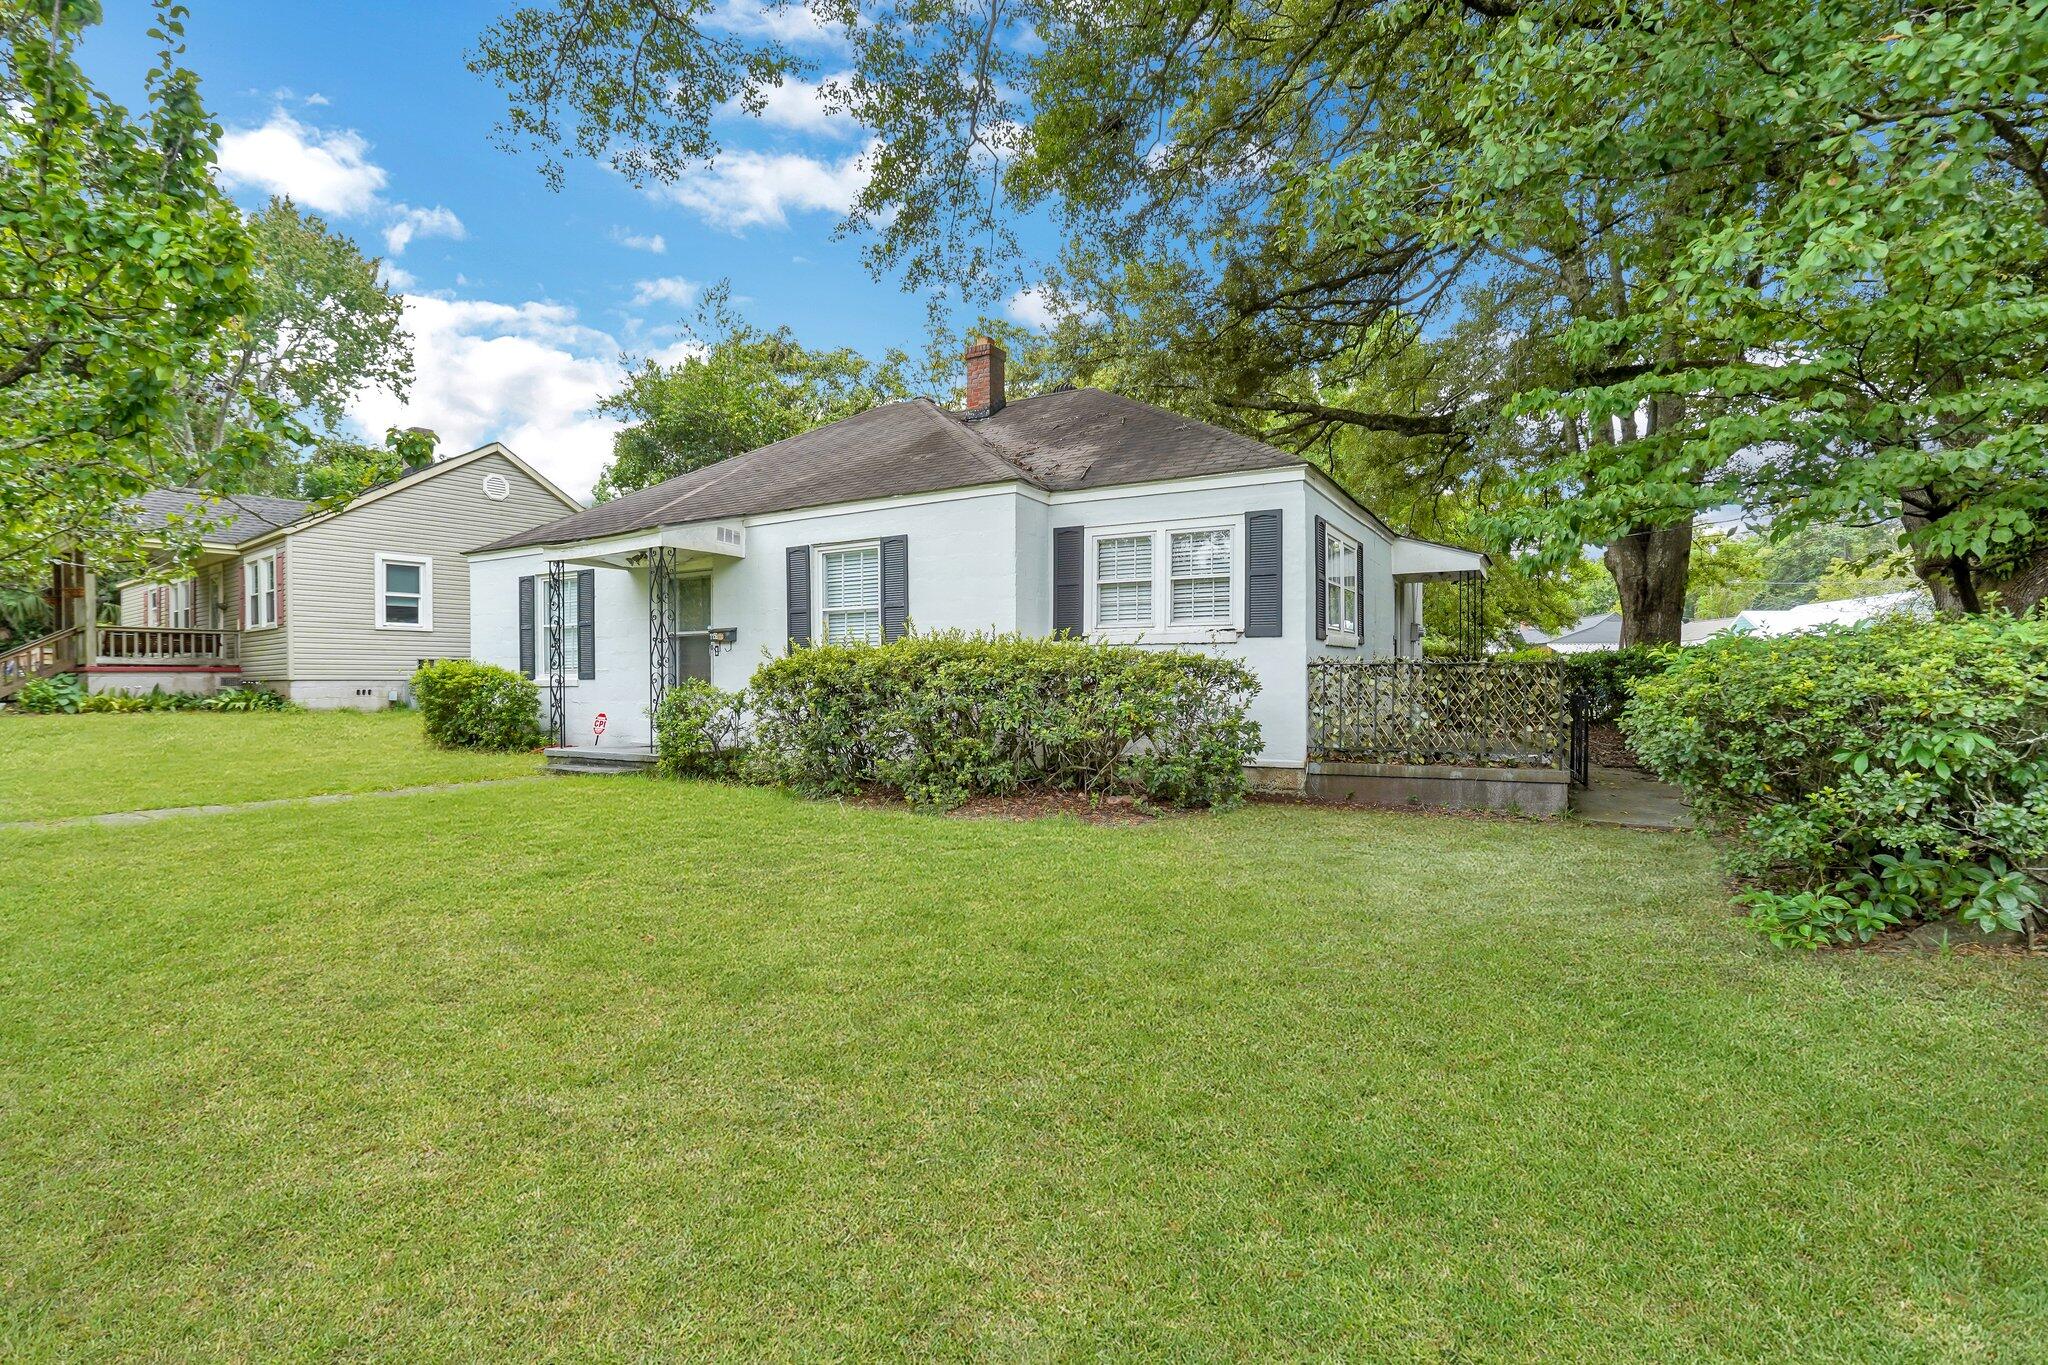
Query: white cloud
{"x": 528, "y": 374}
{"x": 411, "y": 222}
{"x": 790, "y": 22}
{"x": 397, "y": 276}
{"x": 329, "y": 172}
{"x": 798, "y": 106}
{"x": 668, "y": 289}
{"x": 1033, "y": 308}
{"x": 751, "y": 189}
{"x": 653, "y": 243}
{"x": 316, "y": 98}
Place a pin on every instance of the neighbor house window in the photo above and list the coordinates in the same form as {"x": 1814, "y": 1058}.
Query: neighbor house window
{"x": 1163, "y": 579}
{"x": 405, "y": 592}
{"x": 572, "y": 612}
{"x": 259, "y": 592}
{"x": 851, "y": 604}
{"x": 181, "y": 605}
{"x": 1340, "y": 587}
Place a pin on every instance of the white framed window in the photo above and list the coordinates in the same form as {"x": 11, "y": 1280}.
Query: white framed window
{"x": 1198, "y": 577}
{"x": 259, "y": 592}
{"x": 1340, "y": 587}
{"x": 850, "y": 594}
{"x": 1123, "y": 581}
{"x": 1175, "y": 582}
{"x": 544, "y": 627}
{"x": 179, "y": 601}
{"x": 405, "y": 592}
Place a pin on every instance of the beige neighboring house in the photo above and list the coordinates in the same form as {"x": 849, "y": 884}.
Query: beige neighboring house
{"x": 333, "y": 606}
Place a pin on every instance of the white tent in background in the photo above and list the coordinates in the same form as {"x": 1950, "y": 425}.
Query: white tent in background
{"x": 1847, "y": 612}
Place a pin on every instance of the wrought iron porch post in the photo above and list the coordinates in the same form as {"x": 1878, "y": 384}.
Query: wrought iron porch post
{"x": 558, "y": 585}
{"x": 660, "y": 620}
{"x": 1471, "y": 615}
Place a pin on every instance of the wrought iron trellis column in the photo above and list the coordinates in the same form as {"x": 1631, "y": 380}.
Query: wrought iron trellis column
{"x": 661, "y": 615}
{"x": 558, "y": 623}
{"x": 1471, "y": 615}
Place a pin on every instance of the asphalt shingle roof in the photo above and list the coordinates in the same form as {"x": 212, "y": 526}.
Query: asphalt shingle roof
{"x": 230, "y": 518}
{"x": 1070, "y": 439}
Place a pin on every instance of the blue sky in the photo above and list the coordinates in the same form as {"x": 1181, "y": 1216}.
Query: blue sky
{"x": 521, "y": 300}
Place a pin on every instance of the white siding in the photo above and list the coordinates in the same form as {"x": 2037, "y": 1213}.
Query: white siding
{"x": 981, "y": 560}
{"x": 1281, "y": 706}
{"x": 1375, "y": 580}
{"x": 963, "y": 574}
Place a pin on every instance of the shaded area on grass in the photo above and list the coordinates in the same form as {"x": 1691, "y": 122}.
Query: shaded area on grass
{"x": 617, "y": 1068}
{"x": 90, "y": 765}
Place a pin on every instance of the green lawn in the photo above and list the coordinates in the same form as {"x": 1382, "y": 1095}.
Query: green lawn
{"x": 599, "y": 1068}
{"x": 89, "y": 765}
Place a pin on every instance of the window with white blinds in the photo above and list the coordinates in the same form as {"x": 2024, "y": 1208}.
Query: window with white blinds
{"x": 572, "y": 612}
{"x": 1123, "y": 582}
{"x": 1198, "y": 564}
{"x": 1168, "y": 578}
{"x": 851, "y": 594}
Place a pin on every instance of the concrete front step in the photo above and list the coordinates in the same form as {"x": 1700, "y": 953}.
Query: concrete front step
{"x": 605, "y": 759}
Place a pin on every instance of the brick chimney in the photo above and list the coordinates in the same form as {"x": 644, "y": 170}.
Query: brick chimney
{"x": 984, "y": 378}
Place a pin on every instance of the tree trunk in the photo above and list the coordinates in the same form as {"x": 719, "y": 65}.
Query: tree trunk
{"x": 2018, "y": 592}
{"x": 1649, "y": 566}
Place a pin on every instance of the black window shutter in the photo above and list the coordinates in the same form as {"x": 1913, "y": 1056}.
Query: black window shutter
{"x": 586, "y": 623}
{"x": 799, "y": 595}
{"x": 1262, "y": 574}
{"x": 526, "y": 625}
{"x": 895, "y": 586}
{"x": 1322, "y": 580}
{"x": 1069, "y": 548}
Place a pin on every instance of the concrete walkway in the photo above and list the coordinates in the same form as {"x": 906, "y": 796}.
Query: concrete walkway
{"x": 143, "y": 817}
{"x": 1635, "y": 800}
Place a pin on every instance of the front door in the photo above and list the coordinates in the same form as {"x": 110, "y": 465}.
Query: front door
{"x": 690, "y": 641}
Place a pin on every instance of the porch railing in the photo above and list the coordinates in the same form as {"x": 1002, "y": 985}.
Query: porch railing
{"x": 166, "y": 645}
{"x": 1440, "y": 712}
{"x": 39, "y": 658}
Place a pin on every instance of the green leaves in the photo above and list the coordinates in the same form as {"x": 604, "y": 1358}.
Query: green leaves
{"x": 1870, "y": 776}
{"x": 747, "y": 388}
{"x": 946, "y": 717}
{"x": 120, "y": 265}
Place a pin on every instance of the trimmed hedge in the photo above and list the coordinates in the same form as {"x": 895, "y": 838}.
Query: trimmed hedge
{"x": 943, "y": 718}
{"x": 1870, "y": 776}
{"x": 699, "y": 731}
{"x": 468, "y": 705}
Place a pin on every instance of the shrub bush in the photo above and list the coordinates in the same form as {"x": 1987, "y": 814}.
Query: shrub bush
{"x": 63, "y": 693}
{"x": 947, "y": 717}
{"x": 1870, "y": 776}
{"x": 248, "y": 699}
{"x": 468, "y": 705}
{"x": 699, "y": 730}
{"x": 50, "y": 696}
{"x": 1606, "y": 678}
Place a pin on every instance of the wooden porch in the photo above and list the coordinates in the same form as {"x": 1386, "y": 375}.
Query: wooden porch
{"x": 82, "y": 645}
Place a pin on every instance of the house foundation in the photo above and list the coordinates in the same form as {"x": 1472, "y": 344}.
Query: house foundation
{"x": 1528, "y": 791}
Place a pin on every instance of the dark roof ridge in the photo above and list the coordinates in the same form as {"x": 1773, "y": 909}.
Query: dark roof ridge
{"x": 960, "y": 428}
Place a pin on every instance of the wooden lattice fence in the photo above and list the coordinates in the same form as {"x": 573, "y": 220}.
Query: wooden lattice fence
{"x": 1461, "y": 712}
